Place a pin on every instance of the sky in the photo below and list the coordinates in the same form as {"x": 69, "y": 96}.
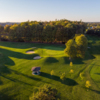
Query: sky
{"x": 49, "y": 10}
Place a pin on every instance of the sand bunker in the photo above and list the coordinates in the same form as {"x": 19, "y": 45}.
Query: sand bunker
{"x": 30, "y": 52}
{"x": 37, "y": 57}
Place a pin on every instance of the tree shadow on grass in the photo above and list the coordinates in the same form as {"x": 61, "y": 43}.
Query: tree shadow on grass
{"x": 17, "y": 54}
{"x": 67, "y": 81}
{"x": 5, "y": 60}
{"x": 88, "y": 56}
{"x": 74, "y": 60}
{"x": 98, "y": 92}
{"x": 31, "y": 77}
{"x": 4, "y": 70}
{"x": 4, "y": 74}
{"x": 51, "y": 60}
{"x": 4, "y": 96}
{"x": 1, "y": 82}
{"x": 59, "y": 47}
{"x": 97, "y": 73}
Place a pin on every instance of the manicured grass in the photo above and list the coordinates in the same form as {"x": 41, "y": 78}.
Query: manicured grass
{"x": 18, "y": 83}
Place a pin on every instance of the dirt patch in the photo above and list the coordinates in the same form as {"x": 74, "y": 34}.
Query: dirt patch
{"x": 30, "y": 52}
{"x": 37, "y": 57}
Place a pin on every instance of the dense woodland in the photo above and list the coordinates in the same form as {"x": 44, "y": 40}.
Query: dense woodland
{"x": 58, "y": 31}
{"x": 93, "y": 29}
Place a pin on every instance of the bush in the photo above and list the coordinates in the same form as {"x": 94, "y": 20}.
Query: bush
{"x": 46, "y": 93}
{"x": 52, "y": 72}
{"x": 62, "y": 77}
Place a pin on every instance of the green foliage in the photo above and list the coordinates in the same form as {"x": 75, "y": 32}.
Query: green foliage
{"x": 1, "y": 28}
{"x": 98, "y": 26}
{"x": 87, "y": 84}
{"x": 82, "y": 75}
{"x": 71, "y": 63}
{"x": 13, "y": 54}
{"x": 63, "y": 77}
{"x": 53, "y": 31}
{"x": 7, "y": 28}
{"x": 46, "y": 93}
{"x": 52, "y": 72}
{"x": 81, "y": 46}
{"x": 71, "y": 71}
{"x": 70, "y": 49}
{"x": 76, "y": 47}
{"x": 71, "y": 42}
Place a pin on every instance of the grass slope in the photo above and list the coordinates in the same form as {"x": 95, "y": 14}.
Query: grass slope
{"x": 18, "y": 83}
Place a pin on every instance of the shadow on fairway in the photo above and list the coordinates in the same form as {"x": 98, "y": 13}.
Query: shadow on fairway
{"x": 98, "y": 92}
{"x": 24, "y": 45}
{"x": 51, "y": 60}
{"x": 1, "y": 82}
{"x": 74, "y": 60}
{"x": 4, "y": 96}
{"x": 8, "y": 71}
{"x": 17, "y": 54}
{"x": 97, "y": 73}
{"x": 5, "y": 60}
{"x": 67, "y": 81}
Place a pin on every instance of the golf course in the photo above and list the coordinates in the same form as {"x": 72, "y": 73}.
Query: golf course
{"x": 18, "y": 83}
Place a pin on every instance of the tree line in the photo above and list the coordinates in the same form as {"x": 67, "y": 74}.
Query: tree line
{"x": 58, "y": 31}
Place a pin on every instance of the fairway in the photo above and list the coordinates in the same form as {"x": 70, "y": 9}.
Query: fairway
{"x": 18, "y": 83}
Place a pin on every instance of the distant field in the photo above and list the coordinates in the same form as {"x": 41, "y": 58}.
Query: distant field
{"x": 18, "y": 83}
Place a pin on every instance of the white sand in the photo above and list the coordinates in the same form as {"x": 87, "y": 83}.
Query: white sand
{"x": 37, "y": 57}
{"x": 30, "y": 52}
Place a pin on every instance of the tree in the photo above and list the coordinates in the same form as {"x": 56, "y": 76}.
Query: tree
{"x": 76, "y": 47}
{"x": 71, "y": 63}
{"x": 87, "y": 84}
{"x": 81, "y": 45}
{"x": 71, "y": 71}
{"x": 62, "y": 77}
{"x": 70, "y": 49}
{"x": 46, "y": 93}
{"x": 52, "y": 72}
{"x": 7, "y": 28}
{"x": 13, "y": 32}
{"x": 1, "y": 28}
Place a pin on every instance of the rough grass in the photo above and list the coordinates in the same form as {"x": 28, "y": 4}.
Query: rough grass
{"x": 18, "y": 83}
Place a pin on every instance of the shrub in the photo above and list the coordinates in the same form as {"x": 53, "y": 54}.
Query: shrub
{"x": 87, "y": 84}
{"x": 52, "y": 72}
{"x": 71, "y": 71}
{"x": 71, "y": 63}
{"x": 62, "y": 77}
{"x": 46, "y": 93}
